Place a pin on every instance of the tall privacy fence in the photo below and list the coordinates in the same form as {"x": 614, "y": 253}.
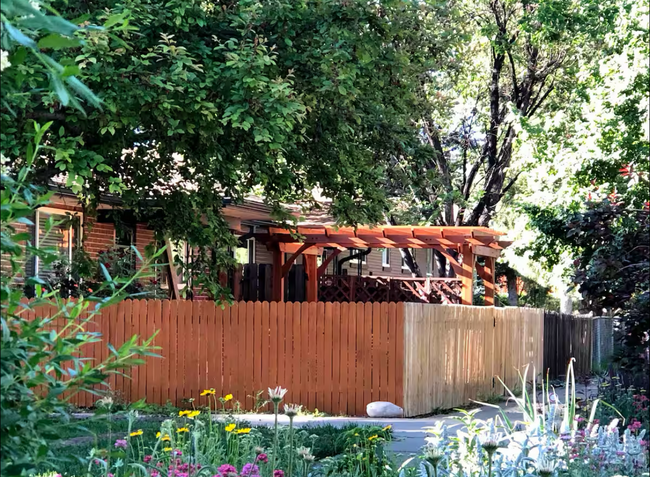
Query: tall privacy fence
{"x": 336, "y": 357}
{"x": 590, "y": 340}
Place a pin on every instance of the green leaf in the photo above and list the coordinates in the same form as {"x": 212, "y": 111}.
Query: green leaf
{"x": 60, "y": 90}
{"x": 55, "y": 41}
{"x": 18, "y": 36}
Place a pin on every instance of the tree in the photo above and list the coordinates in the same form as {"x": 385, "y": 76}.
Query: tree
{"x": 202, "y": 101}
{"x": 42, "y": 365}
{"x": 523, "y": 62}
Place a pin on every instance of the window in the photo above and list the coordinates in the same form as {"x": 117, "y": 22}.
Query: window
{"x": 385, "y": 257}
{"x": 354, "y": 251}
{"x": 124, "y": 235}
{"x": 246, "y": 255}
{"x": 413, "y": 254}
{"x": 63, "y": 237}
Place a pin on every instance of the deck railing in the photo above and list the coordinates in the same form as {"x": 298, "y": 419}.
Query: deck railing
{"x": 351, "y": 288}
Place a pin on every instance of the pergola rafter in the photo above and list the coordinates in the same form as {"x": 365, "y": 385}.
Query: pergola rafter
{"x": 468, "y": 242}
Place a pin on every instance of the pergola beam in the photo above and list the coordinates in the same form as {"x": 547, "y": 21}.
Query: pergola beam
{"x": 287, "y": 265}
{"x": 328, "y": 260}
{"x": 468, "y": 241}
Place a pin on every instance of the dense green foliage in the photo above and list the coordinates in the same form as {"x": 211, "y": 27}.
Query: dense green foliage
{"x": 204, "y": 100}
{"x": 43, "y": 364}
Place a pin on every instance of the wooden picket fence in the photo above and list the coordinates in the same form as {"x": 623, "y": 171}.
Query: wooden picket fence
{"x": 455, "y": 353}
{"x": 335, "y": 357}
{"x": 565, "y": 337}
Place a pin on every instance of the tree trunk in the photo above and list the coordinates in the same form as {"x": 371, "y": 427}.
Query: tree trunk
{"x": 513, "y": 296}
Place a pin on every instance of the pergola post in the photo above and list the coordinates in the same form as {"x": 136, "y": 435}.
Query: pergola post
{"x": 488, "y": 280}
{"x": 277, "y": 284}
{"x": 467, "y": 278}
{"x": 311, "y": 268}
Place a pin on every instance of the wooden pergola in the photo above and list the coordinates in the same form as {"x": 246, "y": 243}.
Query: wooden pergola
{"x": 459, "y": 245}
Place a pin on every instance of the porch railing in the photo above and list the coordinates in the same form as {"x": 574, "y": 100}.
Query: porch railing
{"x": 350, "y": 288}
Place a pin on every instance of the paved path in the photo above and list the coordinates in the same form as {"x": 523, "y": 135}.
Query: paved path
{"x": 408, "y": 434}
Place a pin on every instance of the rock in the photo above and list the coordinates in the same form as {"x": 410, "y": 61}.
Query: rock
{"x": 384, "y": 409}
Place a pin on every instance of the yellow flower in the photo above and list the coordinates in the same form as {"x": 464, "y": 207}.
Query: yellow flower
{"x": 193, "y": 414}
{"x": 183, "y": 413}
{"x": 166, "y": 438}
{"x": 227, "y": 397}
{"x": 208, "y": 392}
{"x": 373, "y": 437}
{"x": 245, "y": 430}
{"x": 387, "y": 428}
{"x": 136, "y": 433}
{"x": 182, "y": 429}
{"x": 157, "y": 434}
{"x": 167, "y": 449}
{"x": 230, "y": 427}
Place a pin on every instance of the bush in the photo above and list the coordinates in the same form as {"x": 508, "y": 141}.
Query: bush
{"x": 42, "y": 364}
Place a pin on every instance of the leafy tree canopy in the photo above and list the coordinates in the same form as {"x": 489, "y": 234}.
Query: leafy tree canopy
{"x": 203, "y": 100}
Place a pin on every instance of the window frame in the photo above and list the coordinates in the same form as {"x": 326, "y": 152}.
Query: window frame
{"x": 404, "y": 265}
{"x": 355, "y": 261}
{"x": 37, "y": 229}
{"x": 385, "y": 257}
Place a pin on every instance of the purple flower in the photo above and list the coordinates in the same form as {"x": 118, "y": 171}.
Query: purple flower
{"x": 227, "y": 470}
{"x": 263, "y": 458}
{"x": 250, "y": 470}
{"x": 278, "y": 473}
{"x": 121, "y": 443}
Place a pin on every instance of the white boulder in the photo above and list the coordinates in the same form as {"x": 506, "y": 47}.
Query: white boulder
{"x": 384, "y": 409}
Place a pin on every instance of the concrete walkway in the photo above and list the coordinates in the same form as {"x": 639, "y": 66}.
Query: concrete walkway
{"x": 408, "y": 434}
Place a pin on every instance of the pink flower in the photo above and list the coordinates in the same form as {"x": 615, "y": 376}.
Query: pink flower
{"x": 278, "y": 473}
{"x": 147, "y": 459}
{"x": 263, "y": 458}
{"x": 121, "y": 443}
{"x": 227, "y": 470}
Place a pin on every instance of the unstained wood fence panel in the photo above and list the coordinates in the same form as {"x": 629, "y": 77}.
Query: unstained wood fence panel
{"x": 453, "y": 353}
{"x": 335, "y": 357}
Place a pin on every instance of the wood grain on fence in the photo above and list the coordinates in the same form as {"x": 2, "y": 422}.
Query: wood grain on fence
{"x": 330, "y": 356}
{"x": 453, "y": 353}
{"x": 336, "y": 357}
{"x": 565, "y": 337}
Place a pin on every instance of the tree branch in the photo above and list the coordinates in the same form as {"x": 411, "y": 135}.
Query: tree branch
{"x": 541, "y": 100}
{"x": 510, "y": 184}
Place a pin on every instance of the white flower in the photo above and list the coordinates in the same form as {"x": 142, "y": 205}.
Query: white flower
{"x": 305, "y": 453}
{"x": 277, "y": 394}
{"x": 35, "y": 4}
{"x": 4, "y": 60}
{"x": 292, "y": 410}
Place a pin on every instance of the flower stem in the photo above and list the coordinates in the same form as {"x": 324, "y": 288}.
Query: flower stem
{"x": 489, "y": 464}
{"x": 275, "y": 438}
{"x": 290, "y": 468}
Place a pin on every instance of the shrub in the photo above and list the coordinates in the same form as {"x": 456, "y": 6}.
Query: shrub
{"x": 42, "y": 364}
